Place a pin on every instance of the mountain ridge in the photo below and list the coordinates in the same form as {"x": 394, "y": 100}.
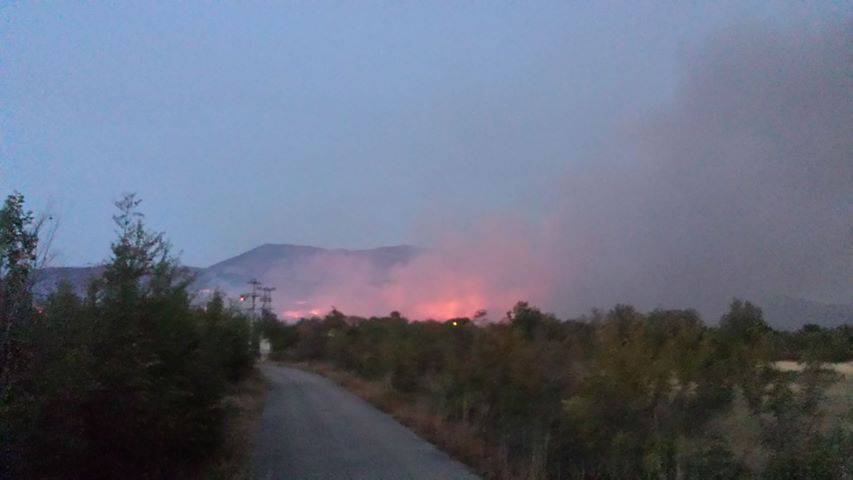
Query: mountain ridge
{"x": 307, "y": 276}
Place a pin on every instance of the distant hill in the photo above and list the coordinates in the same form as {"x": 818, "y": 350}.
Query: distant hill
{"x": 46, "y": 280}
{"x": 301, "y": 274}
{"x": 309, "y": 280}
{"x": 270, "y": 261}
{"x": 306, "y": 278}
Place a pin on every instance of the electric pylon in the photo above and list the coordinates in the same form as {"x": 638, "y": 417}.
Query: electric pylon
{"x": 256, "y": 286}
{"x": 266, "y": 298}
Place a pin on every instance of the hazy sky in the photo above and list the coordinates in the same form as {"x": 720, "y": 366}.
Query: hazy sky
{"x": 343, "y": 125}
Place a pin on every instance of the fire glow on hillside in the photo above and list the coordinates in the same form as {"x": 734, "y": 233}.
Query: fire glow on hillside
{"x": 429, "y": 309}
{"x": 455, "y": 281}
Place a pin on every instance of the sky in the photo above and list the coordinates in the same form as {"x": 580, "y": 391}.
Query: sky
{"x": 572, "y": 154}
{"x": 330, "y": 124}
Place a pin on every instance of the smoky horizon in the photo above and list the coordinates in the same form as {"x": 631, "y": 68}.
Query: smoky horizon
{"x": 570, "y": 156}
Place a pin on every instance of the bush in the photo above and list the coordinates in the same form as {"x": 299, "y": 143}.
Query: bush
{"x": 125, "y": 383}
{"x": 628, "y": 395}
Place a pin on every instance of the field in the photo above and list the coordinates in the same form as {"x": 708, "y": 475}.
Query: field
{"x": 742, "y": 429}
{"x": 839, "y": 397}
{"x": 739, "y": 426}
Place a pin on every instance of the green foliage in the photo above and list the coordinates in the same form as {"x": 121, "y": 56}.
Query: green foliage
{"x": 126, "y": 383}
{"x": 713, "y": 461}
{"x": 626, "y": 395}
{"x": 281, "y": 336}
{"x": 815, "y": 343}
{"x": 743, "y": 322}
{"x": 18, "y": 242}
{"x": 790, "y": 430}
{"x": 227, "y": 333}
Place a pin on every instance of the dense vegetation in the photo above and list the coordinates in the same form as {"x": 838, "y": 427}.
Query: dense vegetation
{"x": 813, "y": 342}
{"x": 621, "y": 395}
{"x": 125, "y": 382}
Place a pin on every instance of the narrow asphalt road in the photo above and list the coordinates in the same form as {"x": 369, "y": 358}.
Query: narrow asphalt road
{"x": 313, "y": 429}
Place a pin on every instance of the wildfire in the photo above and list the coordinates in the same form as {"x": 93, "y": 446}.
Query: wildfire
{"x": 450, "y": 308}
{"x": 435, "y": 310}
{"x": 297, "y": 314}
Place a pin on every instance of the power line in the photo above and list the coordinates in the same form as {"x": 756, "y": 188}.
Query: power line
{"x": 253, "y": 295}
{"x": 266, "y": 298}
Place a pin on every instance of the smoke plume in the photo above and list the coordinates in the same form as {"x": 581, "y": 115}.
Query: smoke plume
{"x": 742, "y": 186}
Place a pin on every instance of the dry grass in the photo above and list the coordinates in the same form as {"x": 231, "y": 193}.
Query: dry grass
{"x": 743, "y": 429}
{"x": 845, "y": 368}
{"x": 462, "y": 442}
{"x": 458, "y": 439}
{"x": 244, "y": 405}
{"x": 839, "y": 396}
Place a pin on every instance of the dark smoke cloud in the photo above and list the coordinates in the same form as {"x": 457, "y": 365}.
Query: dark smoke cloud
{"x": 742, "y": 187}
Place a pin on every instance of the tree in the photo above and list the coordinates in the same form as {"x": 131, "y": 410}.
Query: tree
{"x": 126, "y": 383}
{"x": 136, "y": 253}
{"x": 18, "y": 242}
{"x": 744, "y": 322}
{"x": 791, "y": 428}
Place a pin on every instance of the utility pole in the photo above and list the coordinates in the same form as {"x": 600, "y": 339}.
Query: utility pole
{"x": 266, "y": 298}
{"x": 256, "y": 285}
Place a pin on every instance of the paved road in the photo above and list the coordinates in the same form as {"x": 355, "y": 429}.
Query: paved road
{"x": 313, "y": 429}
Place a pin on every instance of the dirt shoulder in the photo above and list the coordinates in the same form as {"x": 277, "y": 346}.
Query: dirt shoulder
{"x": 244, "y": 405}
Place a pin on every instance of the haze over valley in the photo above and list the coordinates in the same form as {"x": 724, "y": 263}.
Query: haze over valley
{"x": 310, "y": 281}
{"x": 544, "y": 240}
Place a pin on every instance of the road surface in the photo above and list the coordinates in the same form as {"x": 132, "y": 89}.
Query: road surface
{"x": 313, "y": 429}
